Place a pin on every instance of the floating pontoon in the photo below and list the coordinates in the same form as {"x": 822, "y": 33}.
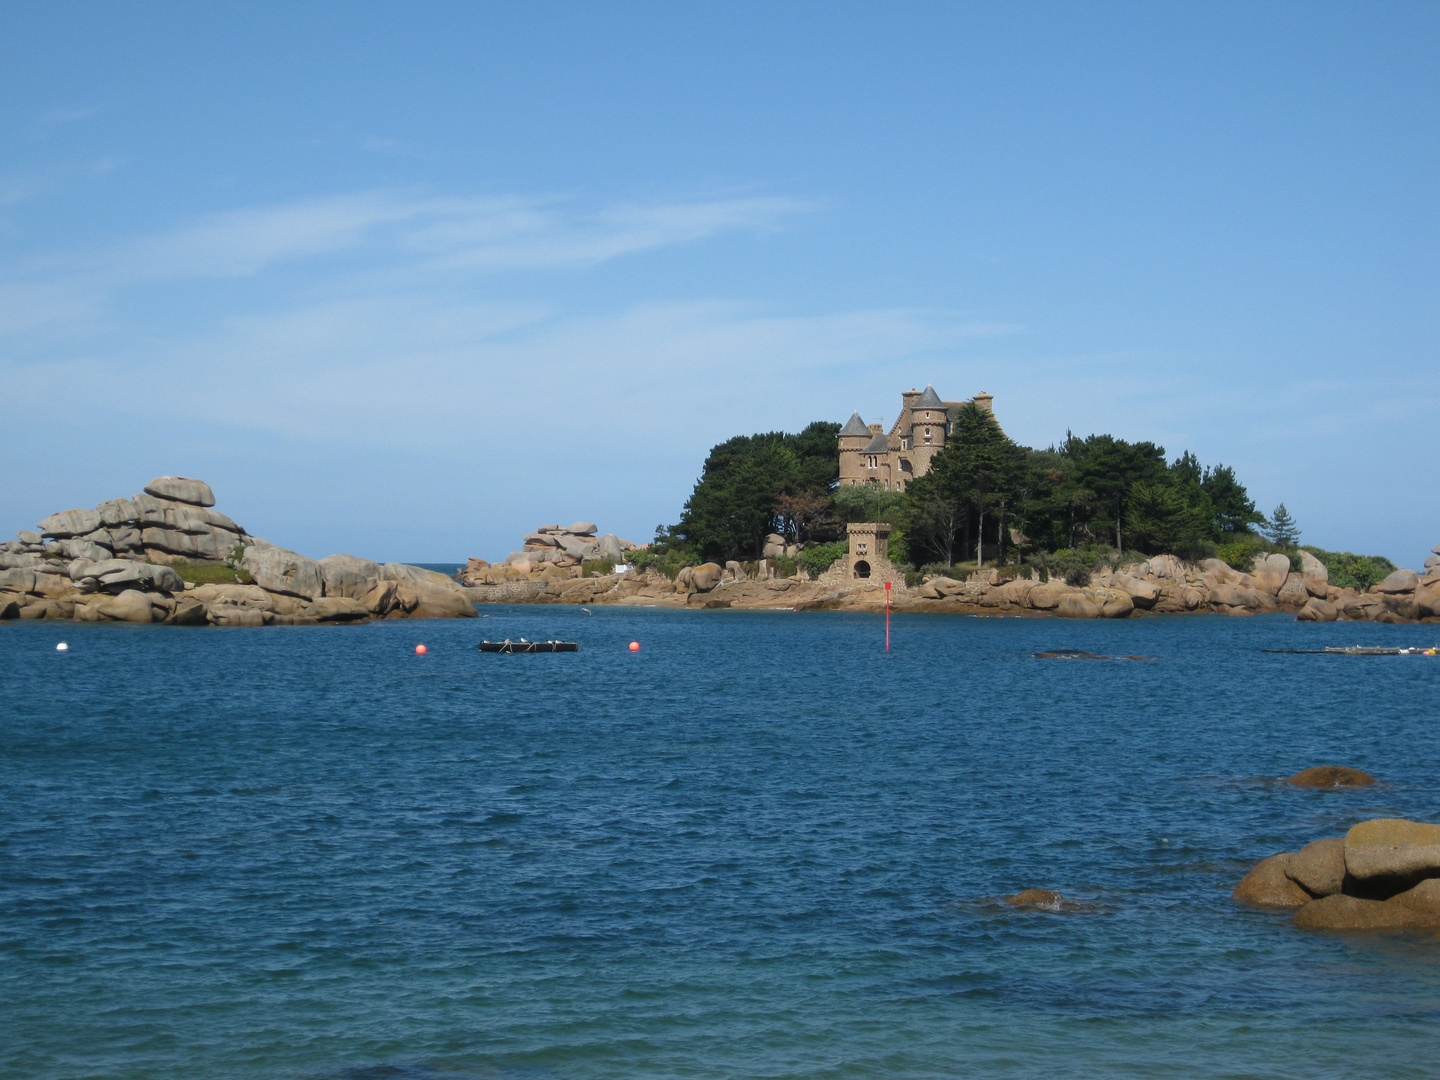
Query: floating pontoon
{"x": 523, "y": 646}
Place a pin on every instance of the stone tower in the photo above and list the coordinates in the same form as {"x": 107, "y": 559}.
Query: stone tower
{"x": 929, "y": 423}
{"x": 853, "y": 437}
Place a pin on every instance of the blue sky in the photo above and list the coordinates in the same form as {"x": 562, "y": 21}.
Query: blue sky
{"x": 409, "y": 280}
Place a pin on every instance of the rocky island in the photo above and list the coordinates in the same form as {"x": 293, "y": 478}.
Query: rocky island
{"x": 1163, "y": 584}
{"x": 166, "y": 555}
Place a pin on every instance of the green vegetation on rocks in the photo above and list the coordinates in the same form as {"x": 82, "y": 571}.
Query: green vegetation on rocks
{"x": 211, "y": 573}
{"x": 1350, "y": 571}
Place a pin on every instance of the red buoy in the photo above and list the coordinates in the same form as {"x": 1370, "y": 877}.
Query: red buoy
{"x": 634, "y": 646}
{"x": 420, "y": 650}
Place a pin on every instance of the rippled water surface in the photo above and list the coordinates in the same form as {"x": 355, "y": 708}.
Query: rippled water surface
{"x": 759, "y": 847}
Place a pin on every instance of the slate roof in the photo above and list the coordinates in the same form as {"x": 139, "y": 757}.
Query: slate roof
{"x": 855, "y": 426}
{"x": 928, "y": 400}
{"x": 878, "y": 445}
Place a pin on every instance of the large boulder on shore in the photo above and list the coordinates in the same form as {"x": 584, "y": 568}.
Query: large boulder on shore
{"x": 1427, "y": 602}
{"x": 706, "y": 576}
{"x": 1401, "y": 581}
{"x": 1076, "y": 606}
{"x": 70, "y": 523}
{"x": 347, "y": 575}
{"x": 1267, "y": 885}
{"x": 277, "y": 570}
{"x": 130, "y": 606}
{"x": 181, "y": 489}
{"x": 1317, "y": 610}
{"x": 1315, "y": 575}
{"x": 1142, "y": 593}
{"x": 1047, "y": 597}
{"x": 1392, "y": 849}
{"x": 1270, "y": 571}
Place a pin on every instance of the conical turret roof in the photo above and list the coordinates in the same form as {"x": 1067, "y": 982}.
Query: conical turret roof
{"x": 855, "y": 426}
{"x": 928, "y": 400}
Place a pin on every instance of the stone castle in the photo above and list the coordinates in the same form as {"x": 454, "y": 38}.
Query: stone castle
{"x": 892, "y": 460}
{"x": 870, "y": 455}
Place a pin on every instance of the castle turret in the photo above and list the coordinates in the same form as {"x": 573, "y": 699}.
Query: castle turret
{"x": 929, "y": 419}
{"x": 853, "y": 438}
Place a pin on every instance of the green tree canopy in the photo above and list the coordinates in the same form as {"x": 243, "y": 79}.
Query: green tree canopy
{"x": 737, "y": 500}
{"x": 1233, "y": 509}
{"x": 1110, "y": 468}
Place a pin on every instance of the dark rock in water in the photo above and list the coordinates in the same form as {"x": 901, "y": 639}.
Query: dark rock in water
{"x": 1319, "y": 868}
{"x": 1268, "y": 886}
{"x": 1330, "y": 776}
{"x": 1042, "y": 898}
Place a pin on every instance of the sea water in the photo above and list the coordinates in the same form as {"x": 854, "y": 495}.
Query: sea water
{"x": 759, "y": 846}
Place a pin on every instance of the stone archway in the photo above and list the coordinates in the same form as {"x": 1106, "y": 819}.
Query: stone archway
{"x": 862, "y": 569}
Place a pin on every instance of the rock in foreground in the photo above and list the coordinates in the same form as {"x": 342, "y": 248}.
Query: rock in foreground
{"x": 1384, "y": 874}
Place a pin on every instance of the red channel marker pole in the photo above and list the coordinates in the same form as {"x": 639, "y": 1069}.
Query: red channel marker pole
{"x": 887, "y": 616}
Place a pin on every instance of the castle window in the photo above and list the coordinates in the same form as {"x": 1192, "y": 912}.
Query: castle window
{"x": 862, "y": 548}
{"x": 927, "y": 416}
{"x": 927, "y": 435}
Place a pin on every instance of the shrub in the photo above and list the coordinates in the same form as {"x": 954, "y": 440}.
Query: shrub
{"x": 1350, "y": 571}
{"x": 914, "y": 578}
{"x": 597, "y": 567}
{"x": 1240, "y": 554}
{"x": 1196, "y": 551}
{"x": 821, "y": 557}
{"x": 1073, "y": 567}
{"x": 785, "y": 565}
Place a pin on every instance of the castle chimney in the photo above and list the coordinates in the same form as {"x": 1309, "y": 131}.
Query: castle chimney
{"x": 985, "y": 401}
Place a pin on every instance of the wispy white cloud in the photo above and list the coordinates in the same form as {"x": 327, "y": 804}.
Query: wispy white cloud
{"x": 394, "y": 233}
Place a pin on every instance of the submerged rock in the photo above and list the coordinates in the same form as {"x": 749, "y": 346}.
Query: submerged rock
{"x": 1331, "y": 776}
{"x": 1041, "y": 898}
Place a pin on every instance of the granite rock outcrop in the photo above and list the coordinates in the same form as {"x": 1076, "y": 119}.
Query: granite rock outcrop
{"x": 126, "y": 561}
{"x": 547, "y": 571}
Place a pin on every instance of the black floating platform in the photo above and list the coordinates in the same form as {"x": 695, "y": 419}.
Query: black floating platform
{"x": 508, "y": 646}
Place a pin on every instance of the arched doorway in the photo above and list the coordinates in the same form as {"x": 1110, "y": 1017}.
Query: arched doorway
{"x": 862, "y": 569}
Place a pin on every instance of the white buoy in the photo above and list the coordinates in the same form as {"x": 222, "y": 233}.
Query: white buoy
{"x": 62, "y": 647}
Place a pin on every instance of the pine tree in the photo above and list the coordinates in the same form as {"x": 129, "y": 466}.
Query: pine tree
{"x": 1281, "y": 530}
